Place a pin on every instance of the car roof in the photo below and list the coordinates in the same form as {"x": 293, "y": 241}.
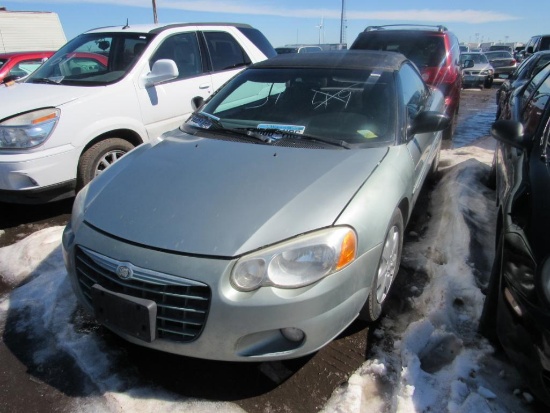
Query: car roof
{"x": 345, "y": 59}
{"x": 31, "y": 53}
{"x": 157, "y": 28}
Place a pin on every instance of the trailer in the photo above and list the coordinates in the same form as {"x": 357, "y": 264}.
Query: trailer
{"x": 22, "y": 31}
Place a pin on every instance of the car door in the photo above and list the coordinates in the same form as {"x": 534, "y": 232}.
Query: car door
{"x": 165, "y": 106}
{"x": 414, "y": 95}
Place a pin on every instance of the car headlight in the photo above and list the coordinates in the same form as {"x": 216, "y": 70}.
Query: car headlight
{"x": 297, "y": 262}
{"x": 28, "y": 129}
{"x": 77, "y": 215}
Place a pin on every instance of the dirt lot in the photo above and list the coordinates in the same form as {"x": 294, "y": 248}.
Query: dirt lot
{"x": 301, "y": 385}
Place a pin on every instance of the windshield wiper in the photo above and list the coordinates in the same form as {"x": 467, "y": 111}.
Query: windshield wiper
{"x": 45, "y": 80}
{"x": 264, "y": 135}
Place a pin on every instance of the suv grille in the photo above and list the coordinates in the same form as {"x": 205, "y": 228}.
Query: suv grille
{"x": 181, "y": 309}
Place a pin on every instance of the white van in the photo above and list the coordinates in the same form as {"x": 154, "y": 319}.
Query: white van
{"x": 107, "y": 91}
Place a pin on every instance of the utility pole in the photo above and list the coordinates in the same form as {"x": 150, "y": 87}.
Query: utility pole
{"x": 155, "y": 19}
{"x": 343, "y": 23}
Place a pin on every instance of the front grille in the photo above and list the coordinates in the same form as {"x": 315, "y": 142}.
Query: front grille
{"x": 182, "y": 305}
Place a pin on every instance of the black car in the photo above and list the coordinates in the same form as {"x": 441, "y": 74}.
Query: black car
{"x": 519, "y": 77}
{"x": 516, "y": 311}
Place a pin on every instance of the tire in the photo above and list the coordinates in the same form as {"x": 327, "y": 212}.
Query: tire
{"x": 387, "y": 269}
{"x": 450, "y": 131}
{"x": 435, "y": 164}
{"x": 488, "y": 319}
{"x": 99, "y": 157}
{"x": 488, "y": 83}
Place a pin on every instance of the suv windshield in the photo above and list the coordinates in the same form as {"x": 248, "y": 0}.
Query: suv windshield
{"x": 356, "y": 106}
{"x": 93, "y": 59}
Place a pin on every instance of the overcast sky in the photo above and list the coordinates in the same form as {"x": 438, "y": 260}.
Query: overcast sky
{"x": 286, "y": 21}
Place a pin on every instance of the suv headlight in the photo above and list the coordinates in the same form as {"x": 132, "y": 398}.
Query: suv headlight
{"x": 297, "y": 262}
{"x": 28, "y": 129}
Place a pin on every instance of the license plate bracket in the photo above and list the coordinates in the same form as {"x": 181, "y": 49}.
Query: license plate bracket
{"x": 132, "y": 315}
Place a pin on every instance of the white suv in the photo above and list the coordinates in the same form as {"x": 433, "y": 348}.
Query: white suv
{"x": 107, "y": 91}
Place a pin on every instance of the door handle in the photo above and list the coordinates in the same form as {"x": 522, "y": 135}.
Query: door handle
{"x": 204, "y": 86}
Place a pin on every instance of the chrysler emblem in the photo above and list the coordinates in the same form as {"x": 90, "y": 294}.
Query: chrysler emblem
{"x": 124, "y": 272}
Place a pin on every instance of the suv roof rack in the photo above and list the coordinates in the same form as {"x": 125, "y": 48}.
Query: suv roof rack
{"x": 439, "y": 28}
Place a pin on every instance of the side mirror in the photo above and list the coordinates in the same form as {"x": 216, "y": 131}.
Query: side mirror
{"x": 429, "y": 121}
{"x": 530, "y": 50}
{"x": 162, "y": 71}
{"x": 467, "y": 64}
{"x": 197, "y": 102}
{"x": 509, "y": 132}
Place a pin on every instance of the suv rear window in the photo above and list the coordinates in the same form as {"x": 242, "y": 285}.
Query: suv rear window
{"x": 2, "y": 61}
{"x": 424, "y": 51}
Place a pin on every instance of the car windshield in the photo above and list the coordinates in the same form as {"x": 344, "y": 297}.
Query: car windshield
{"x": 476, "y": 57}
{"x": 92, "y": 59}
{"x": 355, "y": 106}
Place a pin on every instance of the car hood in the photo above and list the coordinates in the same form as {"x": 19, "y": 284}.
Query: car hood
{"x": 24, "y": 97}
{"x": 219, "y": 198}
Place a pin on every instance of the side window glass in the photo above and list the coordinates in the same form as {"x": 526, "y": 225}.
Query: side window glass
{"x": 413, "y": 90}
{"x": 534, "y": 109}
{"x": 183, "y": 49}
{"x": 532, "y": 85}
{"x": 25, "y": 68}
{"x": 225, "y": 51}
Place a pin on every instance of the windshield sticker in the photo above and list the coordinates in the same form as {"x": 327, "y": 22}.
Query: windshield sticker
{"x": 282, "y": 128}
{"x": 367, "y": 134}
{"x": 200, "y": 122}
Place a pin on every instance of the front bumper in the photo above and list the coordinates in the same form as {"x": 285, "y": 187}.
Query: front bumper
{"x": 238, "y": 326}
{"x": 40, "y": 176}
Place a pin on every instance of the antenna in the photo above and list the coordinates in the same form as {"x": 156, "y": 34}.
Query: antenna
{"x": 127, "y": 25}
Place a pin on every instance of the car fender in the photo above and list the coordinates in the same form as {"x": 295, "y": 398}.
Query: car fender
{"x": 387, "y": 188}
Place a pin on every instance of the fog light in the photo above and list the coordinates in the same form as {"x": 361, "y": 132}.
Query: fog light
{"x": 512, "y": 301}
{"x": 293, "y": 334}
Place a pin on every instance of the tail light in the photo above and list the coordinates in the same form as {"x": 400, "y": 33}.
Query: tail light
{"x": 436, "y": 75}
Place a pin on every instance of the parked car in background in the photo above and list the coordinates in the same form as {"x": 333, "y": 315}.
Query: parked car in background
{"x": 523, "y": 73}
{"x": 434, "y": 50}
{"x": 537, "y": 43}
{"x": 107, "y": 91}
{"x": 298, "y": 49}
{"x": 503, "y": 63}
{"x": 500, "y": 48}
{"x": 464, "y": 48}
{"x": 212, "y": 244}
{"x": 480, "y": 74}
{"x": 516, "y": 311}
{"x": 20, "y": 64}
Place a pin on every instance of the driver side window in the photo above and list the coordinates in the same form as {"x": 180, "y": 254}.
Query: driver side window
{"x": 183, "y": 49}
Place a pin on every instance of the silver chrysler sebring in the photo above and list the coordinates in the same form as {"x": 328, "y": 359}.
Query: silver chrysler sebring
{"x": 271, "y": 219}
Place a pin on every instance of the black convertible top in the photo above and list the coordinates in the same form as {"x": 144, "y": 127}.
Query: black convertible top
{"x": 344, "y": 59}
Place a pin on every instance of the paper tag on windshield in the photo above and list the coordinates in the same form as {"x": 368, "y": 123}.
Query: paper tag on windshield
{"x": 283, "y": 128}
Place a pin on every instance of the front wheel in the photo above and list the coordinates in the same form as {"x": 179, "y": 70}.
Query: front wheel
{"x": 98, "y": 157}
{"x": 387, "y": 269}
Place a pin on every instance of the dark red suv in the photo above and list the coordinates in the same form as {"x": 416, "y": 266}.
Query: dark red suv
{"x": 433, "y": 49}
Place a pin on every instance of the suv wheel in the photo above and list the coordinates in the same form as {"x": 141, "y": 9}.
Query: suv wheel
{"x": 450, "y": 131}
{"x": 99, "y": 157}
